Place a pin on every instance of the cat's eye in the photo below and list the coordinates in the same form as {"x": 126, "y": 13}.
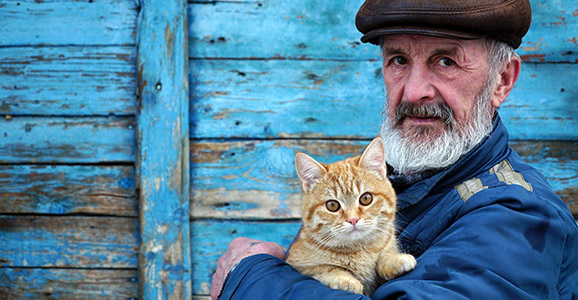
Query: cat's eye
{"x": 332, "y": 205}
{"x": 366, "y": 199}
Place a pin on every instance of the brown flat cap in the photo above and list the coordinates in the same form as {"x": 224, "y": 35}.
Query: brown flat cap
{"x": 505, "y": 20}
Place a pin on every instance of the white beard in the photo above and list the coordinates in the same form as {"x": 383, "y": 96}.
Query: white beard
{"x": 421, "y": 151}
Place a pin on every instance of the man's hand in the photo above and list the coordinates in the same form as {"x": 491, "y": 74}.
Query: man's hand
{"x": 239, "y": 249}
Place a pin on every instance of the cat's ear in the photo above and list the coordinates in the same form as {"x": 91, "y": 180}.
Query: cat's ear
{"x": 308, "y": 170}
{"x": 373, "y": 158}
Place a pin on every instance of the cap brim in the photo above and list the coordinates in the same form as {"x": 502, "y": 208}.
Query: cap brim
{"x": 374, "y": 35}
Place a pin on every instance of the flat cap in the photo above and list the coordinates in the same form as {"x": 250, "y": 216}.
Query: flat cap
{"x": 505, "y": 20}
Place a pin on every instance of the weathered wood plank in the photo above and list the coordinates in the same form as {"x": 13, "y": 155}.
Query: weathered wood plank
{"x": 256, "y": 179}
{"x": 163, "y": 158}
{"x": 73, "y": 284}
{"x": 68, "y": 242}
{"x": 67, "y": 80}
{"x": 211, "y": 239}
{"x": 558, "y": 162}
{"x": 343, "y": 99}
{"x": 543, "y": 106}
{"x": 67, "y": 140}
{"x": 42, "y": 189}
{"x": 326, "y": 30}
{"x": 552, "y": 36}
{"x": 67, "y": 22}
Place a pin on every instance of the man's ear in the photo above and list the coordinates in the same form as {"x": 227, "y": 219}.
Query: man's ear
{"x": 506, "y": 80}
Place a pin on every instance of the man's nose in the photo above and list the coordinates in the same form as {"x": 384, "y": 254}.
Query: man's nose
{"x": 418, "y": 86}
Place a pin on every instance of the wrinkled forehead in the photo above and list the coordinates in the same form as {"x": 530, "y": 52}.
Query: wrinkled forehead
{"x": 422, "y": 44}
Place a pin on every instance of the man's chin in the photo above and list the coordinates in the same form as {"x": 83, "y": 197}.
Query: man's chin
{"x": 421, "y": 133}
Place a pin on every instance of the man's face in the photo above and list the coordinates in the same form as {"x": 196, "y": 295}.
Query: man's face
{"x": 439, "y": 96}
{"x": 421, "y": 70}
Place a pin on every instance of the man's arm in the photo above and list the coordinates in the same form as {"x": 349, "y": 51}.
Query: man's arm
{"x": 505, "y": 250}
{"x": 500, "y": 251}
{"x": 263, "y": 276}
{"x": 252, "y": 269}
{"x": 239, "y": 249}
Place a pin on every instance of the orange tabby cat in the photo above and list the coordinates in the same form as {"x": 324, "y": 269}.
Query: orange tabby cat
{"x": 347, "y": 239}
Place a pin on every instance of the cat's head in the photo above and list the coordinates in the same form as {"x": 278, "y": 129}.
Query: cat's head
{"x": 349, "y": 202}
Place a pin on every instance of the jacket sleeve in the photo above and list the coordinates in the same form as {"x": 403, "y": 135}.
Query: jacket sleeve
{"x": 506, "y": 250}
{"x": 264, "y": 276}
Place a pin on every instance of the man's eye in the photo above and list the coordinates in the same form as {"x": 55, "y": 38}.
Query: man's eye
{"x": 446, "y": 62}
{"x": 399, "y": 60}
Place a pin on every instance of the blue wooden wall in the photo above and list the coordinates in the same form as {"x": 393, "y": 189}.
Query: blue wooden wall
{"x": 68, "y": 198}
{"x": 89, "y": 140}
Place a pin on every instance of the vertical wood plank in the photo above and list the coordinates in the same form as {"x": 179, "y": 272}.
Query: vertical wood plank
{"x": 162, "y": 156}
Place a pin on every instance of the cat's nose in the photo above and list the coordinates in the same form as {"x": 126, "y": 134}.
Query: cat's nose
{"x": 353, "y": 221}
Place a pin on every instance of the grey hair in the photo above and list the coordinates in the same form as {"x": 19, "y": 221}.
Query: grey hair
{"x": 499, "y": 55}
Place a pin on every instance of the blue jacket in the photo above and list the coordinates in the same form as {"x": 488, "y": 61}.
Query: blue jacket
{"x": 488, "y": 227}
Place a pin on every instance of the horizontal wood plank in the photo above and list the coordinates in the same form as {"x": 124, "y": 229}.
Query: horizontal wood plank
{"x": 210, "y": 240}
{"x": 67, "y": 140}
{"x": 344, "y": 99}
{"x": 68, "y": 242}
{"x": 310, "y": 30}
{"x": 73, "y": 284}
{"x": 67, "y": 80}
{"x": 257, "y": 179}
{"x": 67, "y": 22}
{"x": 46, "y": 189}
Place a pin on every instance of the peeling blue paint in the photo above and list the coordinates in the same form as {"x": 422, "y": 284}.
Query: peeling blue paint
{"x": 238, "y": 205}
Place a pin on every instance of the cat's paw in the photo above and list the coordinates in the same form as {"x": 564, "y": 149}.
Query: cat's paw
{"x": 346, "y": 283}
{"x": 396, "y": 266}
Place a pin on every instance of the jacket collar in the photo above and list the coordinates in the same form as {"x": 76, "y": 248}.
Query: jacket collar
{"x": 493, "y": 149}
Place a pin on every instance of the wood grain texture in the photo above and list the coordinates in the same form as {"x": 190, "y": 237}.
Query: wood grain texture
{"x": 72, "y": 284}
{"x": 304, "y": 29}
{"x": 344, "y": 99}
{"x": 67, "y": 140}
{"x": 68, "y": 242}
{"x": 49, "y": 189}
{"x": 67, "y": 22}
{"x": 210, "y": 239}
{"x": 256, "y": 179}
{"x": 162, "y": 157}
{"x": 67, "y": 80}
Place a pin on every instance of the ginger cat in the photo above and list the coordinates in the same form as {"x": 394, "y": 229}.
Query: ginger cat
{"x": 347, "y": 240}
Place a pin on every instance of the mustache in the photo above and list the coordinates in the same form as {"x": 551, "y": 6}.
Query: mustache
{"x": 430, "y": 110}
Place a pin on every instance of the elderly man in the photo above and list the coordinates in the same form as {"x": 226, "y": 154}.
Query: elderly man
{"x": 482, "y": 223}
